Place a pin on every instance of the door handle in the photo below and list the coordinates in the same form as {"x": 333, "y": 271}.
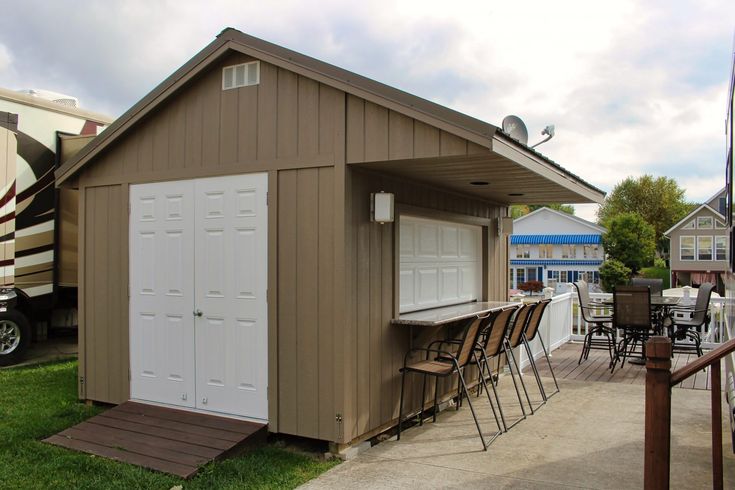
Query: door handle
{"x": 198, "y": 312}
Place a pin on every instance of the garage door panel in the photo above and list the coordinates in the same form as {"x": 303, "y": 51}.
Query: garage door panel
{"x": 440, "y": 263}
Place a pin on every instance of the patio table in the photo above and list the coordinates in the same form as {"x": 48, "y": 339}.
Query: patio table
{"x": 659, "y": 305}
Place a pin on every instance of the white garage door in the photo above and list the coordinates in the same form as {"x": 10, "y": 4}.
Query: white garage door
{"x": 440, "y": 263}
{"x": 198, "y": 279}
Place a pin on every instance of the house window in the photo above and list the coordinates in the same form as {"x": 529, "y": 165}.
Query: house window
{"x": 591, "y": 251}
{"x": 546, "y": 251}
{"x": 563, "y": 276}
{"x": 686, "y": 248}
{"x": 704, "y": 248}
{"x": 520, "y": 276}
{"x": 704, "y": 222}
{"x": 523, "y": 251}
{"x": 554, "y": 275}
{"x": 722, "y": 206}
{"x": 689, "y": 226}
{"x": 568, "y": 251}
{"x": 720, "y": 248}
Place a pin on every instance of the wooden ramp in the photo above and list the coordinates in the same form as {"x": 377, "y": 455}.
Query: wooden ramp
{"x": 162, "y": 439}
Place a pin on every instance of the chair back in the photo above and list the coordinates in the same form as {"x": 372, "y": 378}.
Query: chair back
{"x": 515, "y": 335}
{"x": 472, "y": 332}
{"x": 535, "y": 321}
{"x": 700, "y": 309}
{"x": 583, "y": 293}
{"x": 632, "y": 307}
{"x": 656, "y": 285}
{"x": 497, "y": 330}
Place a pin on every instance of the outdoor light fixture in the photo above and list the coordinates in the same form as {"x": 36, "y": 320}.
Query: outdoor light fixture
{"x": 505, "y": 226}
{"x": 381, "y": 207}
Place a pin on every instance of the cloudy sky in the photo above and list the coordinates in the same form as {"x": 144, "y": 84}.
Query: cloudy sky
{"x": 633, "y": 87}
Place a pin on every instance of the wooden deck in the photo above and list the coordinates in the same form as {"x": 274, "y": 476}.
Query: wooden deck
{"x": 162, "y": 439}
{"x": 595, "y": 368}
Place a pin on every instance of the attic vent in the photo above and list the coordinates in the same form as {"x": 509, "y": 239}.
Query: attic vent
{"x": 242, "y": 75}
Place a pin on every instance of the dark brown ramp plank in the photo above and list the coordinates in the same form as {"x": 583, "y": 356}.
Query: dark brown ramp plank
{"x": 164, "y": 433}
{"x": 173, "y": 425}
{"x": 127, "y": 441}
{"x": 178, "y": 446}
{"x": 177, "y": 469}
{"x": 204, "y": 420}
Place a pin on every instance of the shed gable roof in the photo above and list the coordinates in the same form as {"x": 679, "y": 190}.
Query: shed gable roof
{"x": 436, "y": 115}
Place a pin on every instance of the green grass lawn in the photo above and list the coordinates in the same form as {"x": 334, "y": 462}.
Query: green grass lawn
{"x": 39, "y": 401}
{"x": 657, "y": 273}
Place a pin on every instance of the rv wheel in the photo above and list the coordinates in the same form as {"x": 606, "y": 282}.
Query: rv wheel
{"x": 15, "y": 337}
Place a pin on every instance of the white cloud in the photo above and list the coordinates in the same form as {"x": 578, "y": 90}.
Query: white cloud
{"x": 632, "y": 87}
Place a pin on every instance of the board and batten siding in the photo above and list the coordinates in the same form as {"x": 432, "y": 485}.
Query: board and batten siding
{"x": 306, "y": 302}
{"x": 286, "y": 121}
{"x": 103, "y": 294}
{"x": 375, "y": 133}
{"x": 289, "y": 125}
{"x": 376, "y": 347}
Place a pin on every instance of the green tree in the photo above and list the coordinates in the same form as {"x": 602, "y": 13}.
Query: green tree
{"x": 613, "y": 273}
{"x": 518, "y": 210}
{"x": 660, "y": 201}
{"x": 630, "y": 240}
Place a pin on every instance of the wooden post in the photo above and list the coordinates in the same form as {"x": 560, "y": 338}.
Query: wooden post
{"x": 716, "y": 387}
{"x": 658, "y": 413}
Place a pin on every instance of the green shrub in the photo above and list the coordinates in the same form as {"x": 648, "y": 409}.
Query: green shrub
{"x": 659, "y": 263}
{"x": 613, "y": 273}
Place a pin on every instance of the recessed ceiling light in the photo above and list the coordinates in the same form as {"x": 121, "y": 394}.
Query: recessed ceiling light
{"x": 515, "y": 194}
{"x": 478, "y": 182}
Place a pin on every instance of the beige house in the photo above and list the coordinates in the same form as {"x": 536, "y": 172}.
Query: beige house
{"x": 699, "y": 245}
{"x": 228, "y": 260}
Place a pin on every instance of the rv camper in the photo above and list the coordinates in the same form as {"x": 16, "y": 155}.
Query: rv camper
{"x": 38, "y": 238}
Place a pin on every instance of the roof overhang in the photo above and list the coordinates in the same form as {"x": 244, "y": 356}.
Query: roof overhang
{"x": 514, "y": 174}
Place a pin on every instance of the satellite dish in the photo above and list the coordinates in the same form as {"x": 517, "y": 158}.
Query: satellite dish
{"x": 514, "y": 126}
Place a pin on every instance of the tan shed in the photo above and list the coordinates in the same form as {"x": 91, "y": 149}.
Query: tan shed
{"x": 228, "y": 261}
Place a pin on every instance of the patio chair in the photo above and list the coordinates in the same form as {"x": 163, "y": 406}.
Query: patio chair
{"x": 492, "y": 344}
{"x": 444, "y": 364}
{"x": 598, "y": 326}
{"x": 514, "y": 339}
{"x": 656, "y": 285}
{"x": 683, "y": 328}
{"x": 531, "y": 333}
{"x": 632, "y": 314}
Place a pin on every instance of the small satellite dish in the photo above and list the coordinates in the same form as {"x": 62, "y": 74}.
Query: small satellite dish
{"x": 514, "y": 126}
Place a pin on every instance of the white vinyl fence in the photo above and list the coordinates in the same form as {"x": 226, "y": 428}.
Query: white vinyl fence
{"x": 712, "y": 333}
{"x": 555, "y": 328}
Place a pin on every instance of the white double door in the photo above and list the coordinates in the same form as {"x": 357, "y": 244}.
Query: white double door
{"x": 198, "y": 282}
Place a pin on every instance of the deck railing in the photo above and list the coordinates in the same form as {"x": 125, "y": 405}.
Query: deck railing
{"x": 659, "y": 380}
{"x": 555, "y": 326}
{"x": 713, "y": 333}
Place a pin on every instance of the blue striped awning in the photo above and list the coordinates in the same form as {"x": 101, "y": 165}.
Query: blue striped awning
{"x": 555, "y": 239}
{"x": 554, "y": 262}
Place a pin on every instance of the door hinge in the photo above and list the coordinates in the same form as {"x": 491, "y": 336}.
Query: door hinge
{"x": 338, "y": 420}
{"x": 81, "y": 380}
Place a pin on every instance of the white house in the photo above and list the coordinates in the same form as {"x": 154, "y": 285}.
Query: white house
{"x": 554, "y": 247}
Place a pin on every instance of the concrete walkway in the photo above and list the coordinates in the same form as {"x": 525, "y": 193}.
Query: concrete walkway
{"x": 588, "y": 436}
